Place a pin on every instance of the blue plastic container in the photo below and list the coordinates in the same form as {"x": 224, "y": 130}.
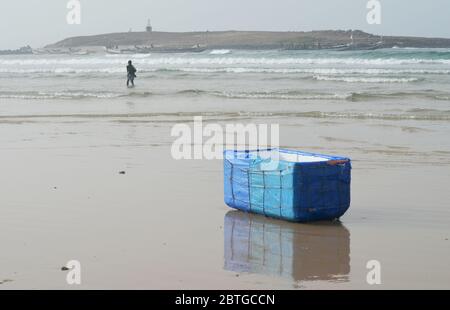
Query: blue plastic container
{"x": 290, "y": 185}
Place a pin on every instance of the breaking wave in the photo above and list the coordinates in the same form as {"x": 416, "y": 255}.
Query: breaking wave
{"x": 230, "y": 61}
{"x": 30, "y": 95}
{"x": 287, "y": 95}
{"x": 432, "y": 115}
{"x": 66, "y": 95}
{"x": 259, "y": 95}
{"x": 366, "y": 79}
{"x": 220, "y": 52}
{"x": 353, "y": 75}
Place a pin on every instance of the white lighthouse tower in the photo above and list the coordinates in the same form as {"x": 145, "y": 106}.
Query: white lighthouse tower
{"x": 149, "y": 27}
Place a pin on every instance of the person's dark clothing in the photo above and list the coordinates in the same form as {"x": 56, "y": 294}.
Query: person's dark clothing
{"x": 131, "y": 73}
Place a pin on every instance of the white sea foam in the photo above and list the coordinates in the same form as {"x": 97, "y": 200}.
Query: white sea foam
{"x": 366, "y": 80}
{"x": 41, "y": 95}
{"x": 237, "y": 70}
{"x": 217, "y": 61}
{"x": 81, "y": 94}
{"x": 444, "y": 98}
{"x": 283, "y": 96}
{"x": 220, "y": 52}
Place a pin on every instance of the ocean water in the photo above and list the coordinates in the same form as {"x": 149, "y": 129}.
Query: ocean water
{"x": 418, "y": 76}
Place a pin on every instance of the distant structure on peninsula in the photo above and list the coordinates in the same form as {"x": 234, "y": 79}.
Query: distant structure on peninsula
{"x": 149, "y": 27}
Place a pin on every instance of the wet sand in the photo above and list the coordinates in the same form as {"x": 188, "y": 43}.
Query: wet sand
{"x": 163, "y": 224}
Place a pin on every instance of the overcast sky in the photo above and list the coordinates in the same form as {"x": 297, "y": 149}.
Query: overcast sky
{"x": 40, "y": 22}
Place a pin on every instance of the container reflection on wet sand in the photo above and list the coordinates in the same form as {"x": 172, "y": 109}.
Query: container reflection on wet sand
{"x": 301, "y": 252}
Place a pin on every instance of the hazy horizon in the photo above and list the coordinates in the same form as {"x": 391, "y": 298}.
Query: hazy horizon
{"x": 39, "y": 24}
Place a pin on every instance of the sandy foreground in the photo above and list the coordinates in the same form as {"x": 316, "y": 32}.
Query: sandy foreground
{"x": 163, "y": 224}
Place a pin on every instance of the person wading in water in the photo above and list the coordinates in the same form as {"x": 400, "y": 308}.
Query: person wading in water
{"x": 131, "y": 73}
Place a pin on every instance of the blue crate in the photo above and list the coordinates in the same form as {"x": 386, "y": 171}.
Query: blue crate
{"x": 290, "y": 185}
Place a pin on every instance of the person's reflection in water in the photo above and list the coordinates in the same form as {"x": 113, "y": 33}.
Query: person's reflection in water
{"x": 303, "y": 252}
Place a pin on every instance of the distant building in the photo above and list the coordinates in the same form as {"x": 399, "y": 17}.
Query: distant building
{"x": 149, "y": 27}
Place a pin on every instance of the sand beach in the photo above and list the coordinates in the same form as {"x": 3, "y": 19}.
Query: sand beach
{"x": 69, "y": 127}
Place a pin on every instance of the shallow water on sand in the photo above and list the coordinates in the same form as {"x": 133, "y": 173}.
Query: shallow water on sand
{"x": 68, "y": 126}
